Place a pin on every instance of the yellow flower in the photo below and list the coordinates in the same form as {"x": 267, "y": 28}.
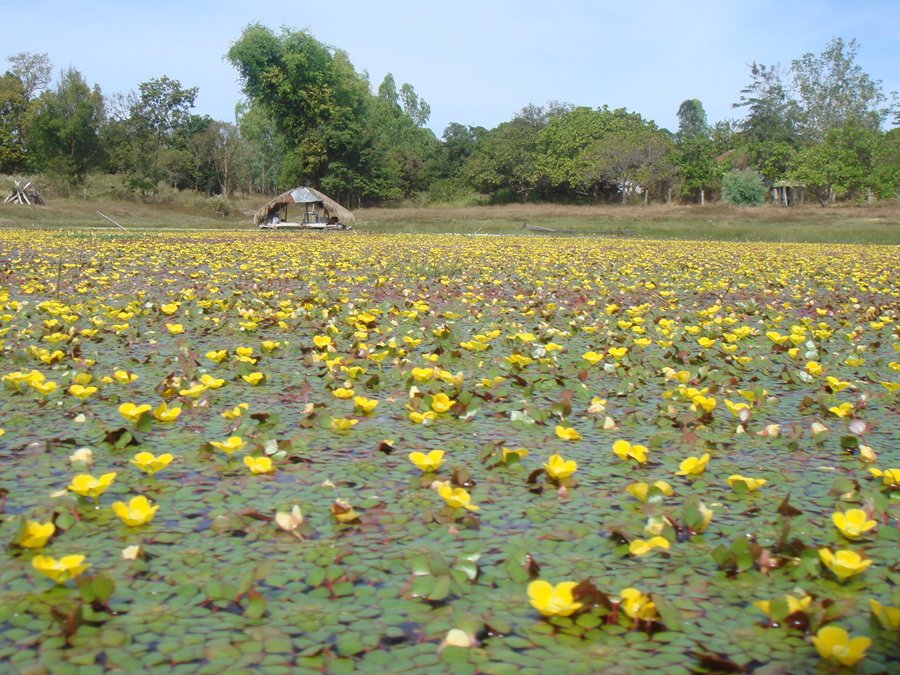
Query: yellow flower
{"x": 567, "y": 433}
{"x": 736, "y": 408}
{"x": 841, "y": 410}
{"x": 814, "y": 368}
{"x": 430, "y": 462}
{"x": 887, "y": 616}
{"x": 592, "y": 357}
{"x": 456, "y": 497}
{"x": 35, "y": 535}
{"x": 843, "y": 563}
{"x": 259, "y": 464}
{"x": 558, "y": 468}
{"x": 230, "y": 445}
{"x": 342, "y": 393}
{"x": 794, "y": 604}
{"x": 175, "y": 328}
{"x": 423, "y": 418}
{"x": 270, "y": 346}
{"x": 81, "y": 392}
{"x": 889, "y": 477}
{"x": 342, "y": 423}
{"x": 422, "y": 374}
{"x": 552, "y": 600}
{"x": 164, "y": 413}
{"x": 193, "y": 391}
{"x": 88, "y": 486}
{"x": 321, "y": 341}
{"x": 618, "y": 352}
{"x": 598, "y": 406}
{"x": 124, "y": 377}
{"x": 625, "y": 450}
{"x": 67, "y": 567}
{"x": 833, "y": 642}
{"x": 343, "y": 512}
{"x": 364, "y": 405}
{"x": 137, "y": 512}
{"x": 707, "y": 514}
{"x": 639, "y": 547}
{"x": 506, "y": 454}
{"x": 169, "y": 308}
{"x": 217, "y": 356}
{"x": 236, "y": 411}
{"x": 835, "y": 384}
{"x": 132, "y": 412}
{"x": 253, "y": 379}
{"x": 353, "y": 371}
{"x": 641, "y": 491}
{"x": 637, "y": 605}
{"x": 708, "y": 403}
{"x": 441, "y": 403}
{"x": 150, "y": 464}
{"x": 693, "y": 466}
{"x": 752, "y": 484}
{"x": 852, "y": 523}
{"x": 211, "y": 382}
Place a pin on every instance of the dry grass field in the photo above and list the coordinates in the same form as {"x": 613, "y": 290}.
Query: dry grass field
{"x": 845, "y": 224}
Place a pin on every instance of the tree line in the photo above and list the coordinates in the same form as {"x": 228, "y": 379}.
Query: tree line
{"x": 309, "y": 117}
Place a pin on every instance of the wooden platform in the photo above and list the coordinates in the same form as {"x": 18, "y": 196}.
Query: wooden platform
{"x": 316, "y": 227}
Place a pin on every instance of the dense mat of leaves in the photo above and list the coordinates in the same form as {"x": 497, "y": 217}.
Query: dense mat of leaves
{"x": 248, "y": 451}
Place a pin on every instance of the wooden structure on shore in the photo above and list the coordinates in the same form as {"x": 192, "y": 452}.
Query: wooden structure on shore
{"x": 24, "y": 194}
{"x": 317, "y": 211}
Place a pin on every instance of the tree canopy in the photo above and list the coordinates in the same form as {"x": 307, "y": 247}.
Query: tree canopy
{"x": 310, "y": 117}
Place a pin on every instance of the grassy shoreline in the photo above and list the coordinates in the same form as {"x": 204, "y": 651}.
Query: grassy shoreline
{"x": 864, "y": 225}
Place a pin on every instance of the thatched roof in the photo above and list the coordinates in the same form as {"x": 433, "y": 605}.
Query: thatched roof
{"x": 302, "y": 195}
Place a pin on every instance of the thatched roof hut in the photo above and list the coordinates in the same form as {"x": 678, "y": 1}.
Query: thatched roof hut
{"x": 313, "y": 201}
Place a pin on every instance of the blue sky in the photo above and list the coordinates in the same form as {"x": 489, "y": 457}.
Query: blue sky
{"x": 475, "y": 63}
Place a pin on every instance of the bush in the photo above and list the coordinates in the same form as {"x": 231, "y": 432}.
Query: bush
{"x": 744, "y": 188}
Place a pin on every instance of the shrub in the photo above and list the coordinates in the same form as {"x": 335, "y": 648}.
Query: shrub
{"x": 744, "y": 188}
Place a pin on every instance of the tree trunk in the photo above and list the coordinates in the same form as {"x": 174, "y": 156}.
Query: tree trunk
{"x": 702, "y": 197}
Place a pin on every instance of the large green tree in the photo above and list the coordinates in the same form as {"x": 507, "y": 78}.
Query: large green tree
{"x": 769, "y": 131}
{"x": 692, "y": 119}
{"x": 505, "y": 160}
{"x": 34, "y": 71}
{"x": 402, "y": 153}
{"x": 313, "y": 96}
{"x": 851, "y": 162}
{"x": 338, "y": 135}
{"x": 457, "y": 144}
{"x": 585, "y": 151}
{"x": 263, "y": 149}
{"x": 695, "y": 155}
{"x": 152, "y": 144}
{"x": 833, "y": 91}
{"x": 64, "y": 134}
{"x": 13, "y": 111}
